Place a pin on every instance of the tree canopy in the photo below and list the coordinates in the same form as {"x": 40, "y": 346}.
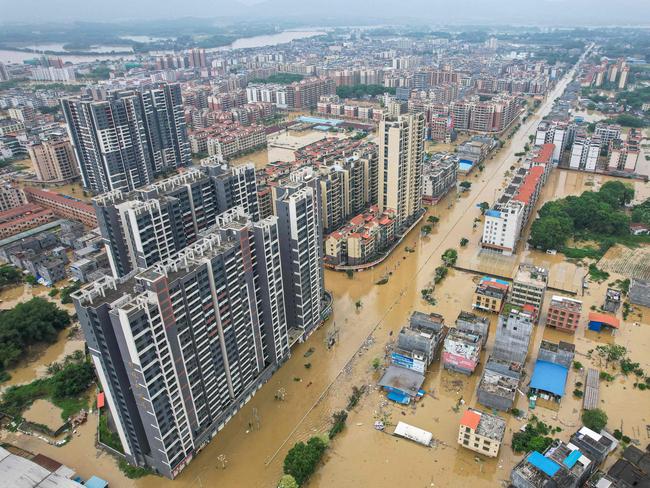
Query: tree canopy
{"x": 594, "y": 419}
{"x": 26, "y": 324}
{"x": 598, "y": 213}
{"x": 302, "y": 459}
{"x": 359, "y": 91}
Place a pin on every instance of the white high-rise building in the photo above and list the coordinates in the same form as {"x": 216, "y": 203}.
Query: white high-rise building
{"x": 401, "y": 153}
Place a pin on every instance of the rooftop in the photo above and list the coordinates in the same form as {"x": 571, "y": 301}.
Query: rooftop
{"x": 549, "y": 377}
{"x": 484, "y": 424}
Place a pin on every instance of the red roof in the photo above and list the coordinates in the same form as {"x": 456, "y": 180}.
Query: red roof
{"x": 471, "y": 419}
{"x": 605, "y": 319}
{"x": 545, "y": 154}
{"x": 100, "y": 400}
{"x": 529, "y": 185}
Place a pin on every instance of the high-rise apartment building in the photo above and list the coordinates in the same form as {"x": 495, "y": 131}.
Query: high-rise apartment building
{"x": 154, "y": 223}
{"x": 401, "y": 153}
{"x": 4, "y": 72}
{"x": 180, "y": 347}
{"x": 348, "y": 186}
{"x": 54, "y": 160}
{"x": 301, "y": 246}
{"x": 585, "y": 152}
{"x": 125, "y": 141}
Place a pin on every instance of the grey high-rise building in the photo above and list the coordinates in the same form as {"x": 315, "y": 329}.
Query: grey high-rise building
{"x": 297, "y": 207}
{"x": 126, "y": 140}
{"x": 153, "y": 223}
{"x": 181, "y": 346}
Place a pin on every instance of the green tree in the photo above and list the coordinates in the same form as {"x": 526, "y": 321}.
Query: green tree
{"x": 73, "y": 380}
{"x": 302, "y": 459}
{"x": 551, "y": 232}
{"x": 594, "y": 419}
{"x": 449, "y": 257}
{"x": 287, "y": 481}
{"x": 28, "y": 323}
{"x": 465, "y": 185}
{"x": 484, "y": 206}
{"x": 9, "y": 275}
{"x": 464, "y": 241}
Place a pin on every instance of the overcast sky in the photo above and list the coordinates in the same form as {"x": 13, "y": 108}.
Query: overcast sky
{"x": 530, "y": 12}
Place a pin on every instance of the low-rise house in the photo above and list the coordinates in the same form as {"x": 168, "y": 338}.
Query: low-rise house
{"x": 419, "y": 343}
{"x": 548, "y": 383}
{"x": 529, "y": 286}
{"x": 481, "y": 432}
{"x": 594, "y": 445}
{"x": 490, "y": 294}
{"x": 498, "y": 386}
{"x": 561, "y": 466}
{"x": 599, "y": 321}
{"x": 564, "y": 313}
{"x": 640, "y": 292}
{"x": 470, "y": 322}
{"x": 462, "y": 351}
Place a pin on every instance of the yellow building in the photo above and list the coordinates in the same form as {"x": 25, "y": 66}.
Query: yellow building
{"x": 481, "y": 432}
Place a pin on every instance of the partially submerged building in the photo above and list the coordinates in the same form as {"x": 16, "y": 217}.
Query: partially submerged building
{"x": 420, "y": 342}
{"x": 564, "y": 313}
{"x": 561, "y": 466}
{"x": 498, "y": 386}
{"x": 470, "y": 322}
{"x": 417, "y": 346}
{"x": 462, "y": 351}
{"x": 513, "y": 333}
{"x": 490, "y": 294}
{"x": 640, "y": 293}
{"x": 599, "y": 321}
{"x": 548, "y": 383}
{"x": 612, "y": 300}
{"x": 481, "y": 432}
{"x": 529, "y": 286}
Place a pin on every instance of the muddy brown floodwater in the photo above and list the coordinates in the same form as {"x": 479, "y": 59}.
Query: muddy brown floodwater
{"x": 360, "y": 455}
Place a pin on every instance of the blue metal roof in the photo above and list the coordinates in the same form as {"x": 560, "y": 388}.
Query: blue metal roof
{"x": 493, "y": 213}
{"x": 572, "y": 459}
{"x": 543, "y": 463}
{"x": 96, "y": 482}
{"x": 549, "y": 377}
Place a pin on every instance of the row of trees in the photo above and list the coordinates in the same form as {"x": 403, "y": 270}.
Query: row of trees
{"x": 33, "y": 322}
{"x": 597, "y": 214}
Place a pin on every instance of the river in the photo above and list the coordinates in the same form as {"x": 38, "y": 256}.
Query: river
{"x": 361, "y": 456}
{"x": 103, "y": 52}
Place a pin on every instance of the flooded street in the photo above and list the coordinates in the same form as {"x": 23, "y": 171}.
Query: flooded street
{"x": 360, "y": 455}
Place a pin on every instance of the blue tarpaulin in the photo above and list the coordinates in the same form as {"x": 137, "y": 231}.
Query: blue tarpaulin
{"x": 542, "y": 463}
{"x": 399, "y": 398}
{"x": 493, "y": 213}
{"x": 549, "y": 377}
{"x": 572, "y": 459}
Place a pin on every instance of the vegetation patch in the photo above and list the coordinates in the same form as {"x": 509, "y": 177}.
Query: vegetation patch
{"x": 535, "y": 437}
{"x": 36, "y": 321}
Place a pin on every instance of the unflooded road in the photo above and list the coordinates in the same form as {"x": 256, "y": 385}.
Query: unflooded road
{"x": 362, "y": 456}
